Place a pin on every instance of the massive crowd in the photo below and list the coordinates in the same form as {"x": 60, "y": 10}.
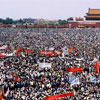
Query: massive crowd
{"x": 35, "y": 83}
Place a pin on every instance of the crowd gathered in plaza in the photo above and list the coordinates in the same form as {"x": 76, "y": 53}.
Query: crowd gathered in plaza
{"x": 30, "y": 75}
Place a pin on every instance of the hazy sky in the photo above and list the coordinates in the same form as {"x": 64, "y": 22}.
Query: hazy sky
{"x": 47, "y": 9}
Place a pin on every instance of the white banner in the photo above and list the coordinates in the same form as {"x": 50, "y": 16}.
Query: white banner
{"x": 1, "y": 63}
{"x": 93, "y": 79}
{"x": 95, "y": 59}
{"x": 75, "y": 81}
{"x": 8, "y": 55}
{"x": 44, "y": 65}
{"x": 3, "y": 47}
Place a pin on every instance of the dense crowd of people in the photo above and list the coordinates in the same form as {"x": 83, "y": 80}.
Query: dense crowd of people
{"x": 21, "y": 78}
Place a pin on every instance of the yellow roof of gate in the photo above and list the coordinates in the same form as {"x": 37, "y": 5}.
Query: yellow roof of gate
{"x": 94, "y": 11}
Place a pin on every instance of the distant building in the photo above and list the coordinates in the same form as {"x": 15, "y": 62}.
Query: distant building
{"x": 92, "y": 20}
{"x": 45, "y": 21}
{"x": 28, "y": 20}
{"x": 93, "y": 14}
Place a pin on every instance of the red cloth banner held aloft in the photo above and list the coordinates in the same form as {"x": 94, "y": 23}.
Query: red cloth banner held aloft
{"x": 16, "y": 79}
{"x": 73, "y": 69}
{"x": 13, "y": 76}
{"x": 27, "y": 50}
{"x": 42, "y": 80}
{"x": 19, "y": 49}
{"x": 58, "y": 96}
{"x": 70, "y": 49}
{"x": 46, "y": 53}
{"x": 96, "y": 66}
{"x": 0, "y": 55}
{"x": 9, "y": 48}
{"x": 1, "y": 93}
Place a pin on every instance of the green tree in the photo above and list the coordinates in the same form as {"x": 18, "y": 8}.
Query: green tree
{"x": 70, "y": 18}
{"x": 62, "y": 22}
{"x": 7, "y": 21}
{"x": 1, "y": 20}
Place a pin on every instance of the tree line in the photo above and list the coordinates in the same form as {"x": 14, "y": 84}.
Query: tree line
{"x": 11, "y": 21}
{"x": 21, "y": 21}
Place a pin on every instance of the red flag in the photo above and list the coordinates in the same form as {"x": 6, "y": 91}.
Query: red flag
{"x": 42, "y": 80}
{"x": 7, "y": 51}
{"x": 96, "y": 66}
{"x": 0, "y": 55}
{"x": 58, "y": 96}
{"x": 0, "y": 97}
{"x": 31, "y": 91}
{"x": 9, "y": 48}
{"x": 70, "y": 49}
{"x": 1, "y": 93}
{"x": 13, "y": 76}
{"x": 19, "y": 49}
{"x": 27, "y": 50}
{"x": 16, "y": 79}
{"x": 73, "y": 69}
{"x": 58, "y": 52}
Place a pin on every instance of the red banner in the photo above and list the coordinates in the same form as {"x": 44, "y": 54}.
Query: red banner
{"x": 73, "y": 69}
{"x": 58, "y": 96}
{"x": 96, "y": 66}
{"x": 46, "y": 53}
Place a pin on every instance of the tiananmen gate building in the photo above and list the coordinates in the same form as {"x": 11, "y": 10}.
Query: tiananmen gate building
{"x": 92, "y": 20}
{"x": 93, "y": 14}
